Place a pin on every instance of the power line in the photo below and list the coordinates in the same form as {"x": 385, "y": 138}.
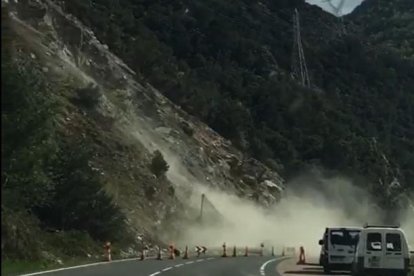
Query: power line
{"x": 299, "y": 68}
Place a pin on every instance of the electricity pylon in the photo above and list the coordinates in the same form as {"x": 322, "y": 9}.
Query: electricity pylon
{"x": 299, "y": 68}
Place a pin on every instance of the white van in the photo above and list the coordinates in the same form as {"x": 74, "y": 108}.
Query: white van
{"x": 381, "y": 250}
{"x": 338, "y": 248}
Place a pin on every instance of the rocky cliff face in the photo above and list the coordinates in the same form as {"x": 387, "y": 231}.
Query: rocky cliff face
{"x": 130, "y": 121}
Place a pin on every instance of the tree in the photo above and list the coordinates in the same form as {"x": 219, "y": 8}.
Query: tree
{"x": 80, "y": 202}
{"x": 28, "y": 137}
{"x": 158, "y": 165}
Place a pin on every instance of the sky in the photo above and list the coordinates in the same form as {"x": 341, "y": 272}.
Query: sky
{"x": 349, "y": 5}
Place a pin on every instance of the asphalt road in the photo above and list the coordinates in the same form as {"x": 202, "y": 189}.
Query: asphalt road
{"x": 290, "y": 268}
{"x": 203, "y": 266}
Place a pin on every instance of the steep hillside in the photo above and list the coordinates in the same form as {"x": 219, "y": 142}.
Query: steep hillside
{"x": 388, "y": 23}
{"x": 80, "y": 133}
{"x": 118, "y": 115}
{"x": 229, "y": 64}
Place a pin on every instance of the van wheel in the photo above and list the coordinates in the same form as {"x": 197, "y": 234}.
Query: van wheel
{"x": 326, "y": 269}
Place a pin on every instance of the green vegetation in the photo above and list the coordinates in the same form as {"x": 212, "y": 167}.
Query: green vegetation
{"x": 158, "y": 165}
{"x": 88, "y": 96}
{"x": 18, "y": 267}
{"x": 209, "y": 57}
{"x": 49, "y": 189}
{"x": 388, "y": 23}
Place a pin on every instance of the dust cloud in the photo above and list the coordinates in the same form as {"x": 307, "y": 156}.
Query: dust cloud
{"x": 311, "y": 203}
{"x": 299, "y": 219}
{"x": 407, "y": 219}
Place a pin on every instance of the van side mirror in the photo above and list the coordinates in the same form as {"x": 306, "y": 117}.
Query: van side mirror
{"x": 321, "y": 242}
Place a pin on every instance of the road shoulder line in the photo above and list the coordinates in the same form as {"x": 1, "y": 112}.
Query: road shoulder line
{"x": 77, "y": 266}
{"x": 263, "y": 267}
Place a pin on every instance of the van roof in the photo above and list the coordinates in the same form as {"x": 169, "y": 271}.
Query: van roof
{"x": 381, "y": 226}
{"x": 383, "y": 229}
{"x": 344, "y": 228}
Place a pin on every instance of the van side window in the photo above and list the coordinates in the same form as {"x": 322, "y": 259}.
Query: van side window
{"x": 374, "y": 242}
{"x": 393, "y": 242}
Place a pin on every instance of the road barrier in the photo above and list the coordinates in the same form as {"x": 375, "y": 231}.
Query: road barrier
{"x": 224, "y": 250}
{"x": 107, "y": 248}
{"x": 171, "y": 252}
{"x": 159, "y": 254}
{"x": 142, "y": 257}
{"x": 186, "y": 253}
{"x": 241, "y": 251}
{"x": 200, "y": 249}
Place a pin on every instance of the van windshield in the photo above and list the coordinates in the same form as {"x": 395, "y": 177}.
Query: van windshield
{"x": 344, "y": 237}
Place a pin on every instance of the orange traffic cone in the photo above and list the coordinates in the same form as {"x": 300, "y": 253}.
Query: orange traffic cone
{"x": 107, "y": 247}
{"x": 159, "y": 255}
{"x": 172, "y": 255}
{"x": 142, "y": 255}
{"x": 186, "y": 253}
{"x": 302, "y": 259}
{"x": 246, "y": 253}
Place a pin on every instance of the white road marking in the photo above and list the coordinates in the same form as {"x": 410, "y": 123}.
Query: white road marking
{"x": 78, "y": 266}
{"x": 167, "y": 268}
{"x": 105, "y": 263}
{"x": 263, "y": 267}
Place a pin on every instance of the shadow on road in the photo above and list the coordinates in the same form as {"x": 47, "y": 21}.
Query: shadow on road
{"x": 314, "y": 272}
{"x": 312, "y": 268}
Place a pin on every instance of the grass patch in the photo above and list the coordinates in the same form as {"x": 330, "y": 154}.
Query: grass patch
{"x": 17, "y": 267}
{"x": 13, "y": 267}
